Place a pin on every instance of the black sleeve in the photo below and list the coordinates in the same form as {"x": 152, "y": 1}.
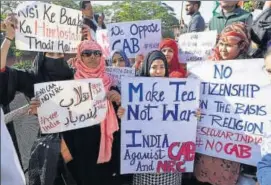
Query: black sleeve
{"x": 13, "y": 80}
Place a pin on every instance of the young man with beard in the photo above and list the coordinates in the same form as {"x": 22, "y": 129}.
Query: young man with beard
{"x": 229, "y": 14}
{"x": 197, "y": 23}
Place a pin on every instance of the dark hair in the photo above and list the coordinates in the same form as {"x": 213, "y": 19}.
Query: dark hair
{"x": 195, "y": 2}
{"x": 83, "y": 4}
{"x": 90, "y": 23}
{"x": 268, "y": 53}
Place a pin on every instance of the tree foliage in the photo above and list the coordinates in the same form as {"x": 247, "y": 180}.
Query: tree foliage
{"x": 128, "y": 10}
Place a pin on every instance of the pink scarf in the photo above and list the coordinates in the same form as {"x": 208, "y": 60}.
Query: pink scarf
{"x": 110, "y": 124}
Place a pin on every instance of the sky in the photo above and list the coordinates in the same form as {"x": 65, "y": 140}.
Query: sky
{"x": 206, "y": 8}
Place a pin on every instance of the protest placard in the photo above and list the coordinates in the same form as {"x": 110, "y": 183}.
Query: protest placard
{"x": 138, "y": 37}
{"x": 69, "y": 105}
{"x": 196, "y": 46}
{"x": 158, "y": 129}
{"x": 47, "y": 28}
{"x": 235, "y": 101}
{"x": 118, "y": 72}
{"x": 102, "y": 39}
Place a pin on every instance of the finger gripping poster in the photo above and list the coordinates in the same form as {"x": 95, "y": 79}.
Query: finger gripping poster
{"x": 158, "y": 130}
{"x": 69, "y": 105}
{"x": 47, "y": 27}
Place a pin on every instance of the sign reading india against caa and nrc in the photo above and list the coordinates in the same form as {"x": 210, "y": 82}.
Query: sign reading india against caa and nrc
{"x": 158, "y": 131}
{"x": 139, "y": 37}
{"x": 69, "y": 105}
{"x": 48, "y": 28}
{"x": 235, "y": 102}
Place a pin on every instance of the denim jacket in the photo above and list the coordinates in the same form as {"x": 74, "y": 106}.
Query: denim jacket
{"x": 264, "y": 170}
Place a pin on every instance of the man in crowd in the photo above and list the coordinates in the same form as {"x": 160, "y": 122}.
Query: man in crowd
{"x": 88, "y": 13}
{"x": 197, "y": 23}
{"x": 230, "y": 13}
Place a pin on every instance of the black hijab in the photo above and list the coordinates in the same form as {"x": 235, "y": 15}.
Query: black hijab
{"x": 153, "y": 55}
{"x": 49, "y": 69}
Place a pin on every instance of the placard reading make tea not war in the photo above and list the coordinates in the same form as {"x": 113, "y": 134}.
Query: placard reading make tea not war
{"x": 69, "y": 105}
{"x": 138, "y": 37}
{"x": 196, "y": 46}
{"x": 47, "y": 28}
{"x": 235, "y": 101}
{"x": 118, "y": 72}
{"x": 158, "y": 129}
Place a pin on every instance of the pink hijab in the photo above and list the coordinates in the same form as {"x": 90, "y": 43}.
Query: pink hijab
{"x": 110, "y": 124}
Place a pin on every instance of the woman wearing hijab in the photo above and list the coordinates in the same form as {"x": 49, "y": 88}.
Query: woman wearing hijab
{"x": 233, "y": 43}
{"x": 169, "y": 48}
{"x": 118, "y": 58}
{"x": 93, "y": 156}
{"x": 155, "y": 65}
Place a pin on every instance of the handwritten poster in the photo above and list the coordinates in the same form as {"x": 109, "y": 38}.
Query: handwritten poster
{"x": 48, "y": 28}
{"x": 235, "y": 107}
{"x": 158, "y": 129}
{"x": 196, "y": 46}
{"x": 69, "y": 105}
{"x": 135, "y": 37}
{"x": 102, "y": 39}
{"x": 118, "y": 72}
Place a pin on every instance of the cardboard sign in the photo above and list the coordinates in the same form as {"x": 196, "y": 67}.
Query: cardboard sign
{"x": 196, "y": 46}
{"x": 48, "y": 28}
{"x": 118, "y": 72}
{"x": 138, "y": 37}
{"x": 102, "y": 39}
{"x": 158, "y": 129}
{"x": 69, "y": 105}
{"x": 235, "y": 101}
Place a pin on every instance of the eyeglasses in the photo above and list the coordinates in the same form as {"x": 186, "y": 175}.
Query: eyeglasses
{"x": 88, "y": 53}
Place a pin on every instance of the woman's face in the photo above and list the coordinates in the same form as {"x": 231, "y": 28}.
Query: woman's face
{"x": 91, "y": 58}
{"x": 118, "y": 61}
{"x": 157, "y": 68}
{"x": 54, "y": 55}
{"x": 168, "y": 52}
{"x": 268, "y": 65}
{"x": 229, "y": 51}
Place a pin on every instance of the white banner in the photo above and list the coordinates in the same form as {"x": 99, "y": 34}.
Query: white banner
{"x": 158, "y": 131}
{"x": 235, "y": 101}
{"x": 196, "y": 46}
{"x": 117, "y": 72}
{"x": 48, "y": 28}
{"x": 103, "y": 40}
{"x": 69, "y": 105}
{"x": 138, "y": 37}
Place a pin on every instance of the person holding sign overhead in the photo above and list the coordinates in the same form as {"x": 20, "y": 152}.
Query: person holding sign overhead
{"x": 169, "y": 48}
{"x": 233, "y": 43}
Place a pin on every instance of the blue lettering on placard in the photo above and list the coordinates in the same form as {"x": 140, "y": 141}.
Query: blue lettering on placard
{"x": 137, "y": 114}
{"x": 134, "y": 89}
{"x": 241, "y": 90}
{"x": 153, "y": 95}
{"x": 222, "y": 72}
{"x": 134, "y": 48}
{"x": 155, "y": 141}
{"x": 222, "y": 107}
{"x": 133, "y": 132}
{"x": 177, "y": 92}
{"x": 237, "y": 124}
{"x": 144, "y": 167}
{"x": 142, "y": 30}
{"x": 203, "y": 104}
{"x": 175, "y": 115}
{"x": 250, "y": 109}
{"x": 115, "y": 31}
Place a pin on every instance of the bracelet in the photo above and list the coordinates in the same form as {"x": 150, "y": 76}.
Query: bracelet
{"x": 9, "y": 39}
